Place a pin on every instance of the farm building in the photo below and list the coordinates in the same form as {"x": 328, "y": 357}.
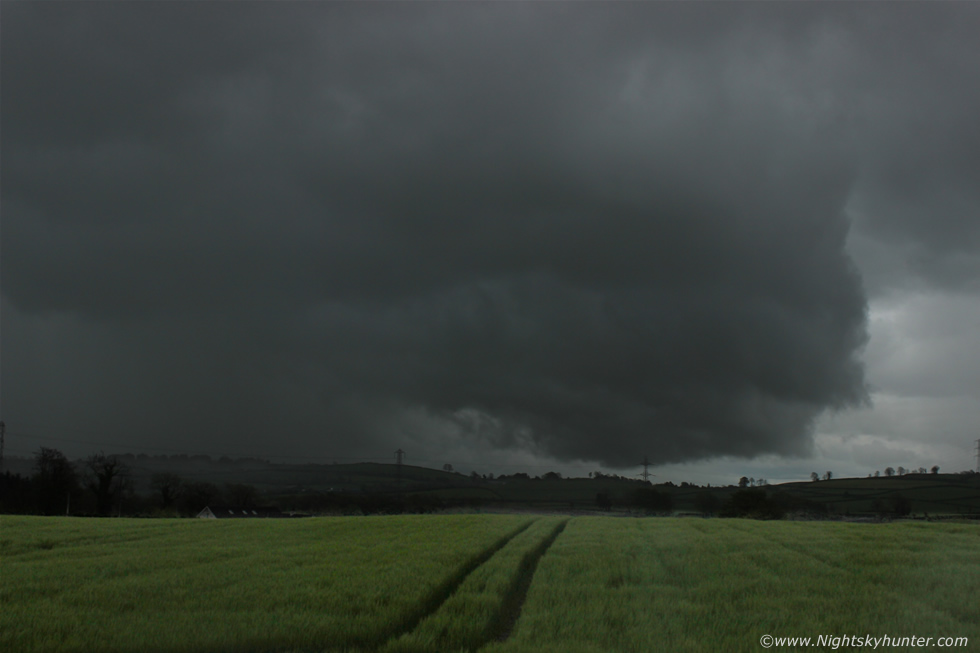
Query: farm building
{"x": 223, "y": 512}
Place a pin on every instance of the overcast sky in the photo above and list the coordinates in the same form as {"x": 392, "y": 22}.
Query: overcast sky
{"x": 734, "y": 238}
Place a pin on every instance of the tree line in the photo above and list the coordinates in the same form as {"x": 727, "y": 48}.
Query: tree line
{"x": 102, "y": 485}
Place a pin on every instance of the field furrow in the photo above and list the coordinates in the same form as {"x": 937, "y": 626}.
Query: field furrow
{"x": 514, "y": 599}
{"x": 455, "y": 597}
{"x": 475, "y": 613}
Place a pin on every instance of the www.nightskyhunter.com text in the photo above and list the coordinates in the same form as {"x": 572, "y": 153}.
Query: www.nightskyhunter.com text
{"x": 862, "y": 641}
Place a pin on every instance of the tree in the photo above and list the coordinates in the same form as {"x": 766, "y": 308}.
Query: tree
{"x": 55, "y": 481}
{"x": 814, "y": 477}
{"x": 652, "y": 501}
{"x": 828, "y": 475}
{"x": 242, "y": 496}
{"x": 167, "y": 486}
{"x": 901, "y": 471}
{"x": 603, "y": 502}
{"x": 552, "y": 476}
{"x": 197, "y": 495}
{"x": 707, "y": 503}
{"x": 877, "y": 473}
{"x": 447, "y": 467}
{"x": 935, "y": 469}
{"x": 752, "y": 503}
{"x": 743, "y": 482}
{"x": 15, "y": 494}
{"x": 901, "y": 506}
{"x": 889, "y": 471}
{"x": 107, "y": 476}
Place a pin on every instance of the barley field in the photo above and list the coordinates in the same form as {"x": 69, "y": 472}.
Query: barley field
{"x": 720, "y": 585}
{"x": 493, "y": 583}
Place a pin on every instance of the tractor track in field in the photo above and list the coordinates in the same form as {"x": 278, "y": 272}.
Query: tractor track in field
{"x": 442, "y": 593}
{"x": 502, "y": 623}
{"x": 510, "y": 611}
{"x": 435, "y": 600}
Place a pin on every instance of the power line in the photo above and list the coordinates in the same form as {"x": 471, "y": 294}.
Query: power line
{"x": 398, "y": 458}
{"x": 646, "y": 473}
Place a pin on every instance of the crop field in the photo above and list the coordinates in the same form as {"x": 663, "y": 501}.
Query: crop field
{"x": 247, "y": 585}
{"x": 720, "y": 585}
{"x": 493, "y": 583}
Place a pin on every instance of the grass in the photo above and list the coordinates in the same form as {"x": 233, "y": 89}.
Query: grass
{"x": 719, "y": 585}
{"x": 406, "y": 584}
{"x": 476, "y": 612}
{"x": 202, "y": 585}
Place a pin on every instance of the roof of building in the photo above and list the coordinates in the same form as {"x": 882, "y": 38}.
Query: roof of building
{"x": 226, "y": 512}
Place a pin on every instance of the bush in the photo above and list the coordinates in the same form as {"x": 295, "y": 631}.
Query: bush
{"x": 752, "y": 503}
{"x": 603, "y": 502}
{"x": 651, "y": 501}
{"x": 707, "y": 503}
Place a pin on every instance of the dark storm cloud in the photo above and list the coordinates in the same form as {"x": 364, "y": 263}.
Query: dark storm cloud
{"x": 921, "y": 152}
{"x": 607, "y": 230}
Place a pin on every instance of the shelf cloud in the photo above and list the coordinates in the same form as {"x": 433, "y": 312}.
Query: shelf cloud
{"x": 594, "y": 231}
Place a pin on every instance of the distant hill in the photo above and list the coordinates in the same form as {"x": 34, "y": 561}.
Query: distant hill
{"x": 928, "y": 493}
{"x": 933, "y": 494}
{"x": 312, "y": 486}
{"x": 274, "y": 478}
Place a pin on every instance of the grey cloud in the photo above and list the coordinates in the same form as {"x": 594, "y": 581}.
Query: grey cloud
{"x": 609, "y": 230}
{"x": 921, "y": 148}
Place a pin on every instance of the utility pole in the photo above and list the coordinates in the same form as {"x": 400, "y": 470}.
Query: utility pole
{"x": 398, "y": 461}
{"x": 646, "y": 474}
{"x": 978, "y": 451}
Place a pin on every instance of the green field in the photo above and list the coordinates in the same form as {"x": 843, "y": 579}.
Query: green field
{"x": 502, "y": 583}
